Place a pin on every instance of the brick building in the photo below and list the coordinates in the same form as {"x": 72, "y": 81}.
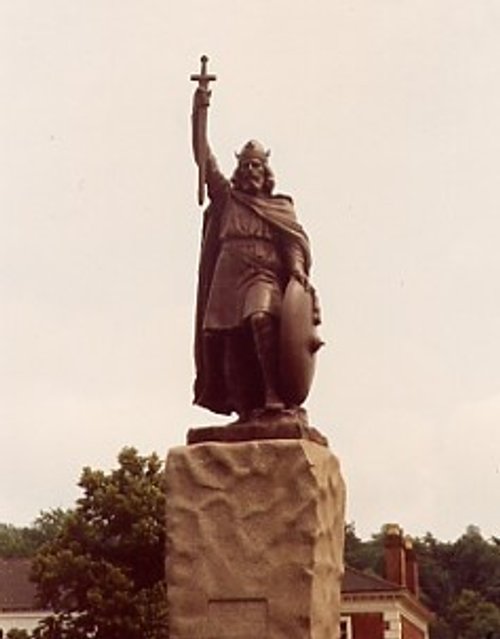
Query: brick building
{"x": 389, "y": 608}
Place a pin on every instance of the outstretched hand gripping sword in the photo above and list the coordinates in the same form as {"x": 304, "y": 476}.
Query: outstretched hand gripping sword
{"x": 200, "y": 126}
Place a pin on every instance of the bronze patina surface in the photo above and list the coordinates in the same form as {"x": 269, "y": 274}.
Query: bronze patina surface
{"x": 299, "y": 342}
{"x": 288, "y": 424}
{"x": 252, "y": 248}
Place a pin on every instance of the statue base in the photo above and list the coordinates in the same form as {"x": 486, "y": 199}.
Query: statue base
{"x": 284, "y": 424}
{"x": 254, "y": 539}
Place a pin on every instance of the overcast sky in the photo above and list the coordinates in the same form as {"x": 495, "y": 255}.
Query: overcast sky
{"x": 383, "y": 121}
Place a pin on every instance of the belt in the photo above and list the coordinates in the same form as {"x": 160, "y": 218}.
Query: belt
{"x": 246, "y": 240}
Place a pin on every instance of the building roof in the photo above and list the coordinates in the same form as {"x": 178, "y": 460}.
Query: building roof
{"x": 17, "y": 592}
{"x": 362, "y": 586}
{"x": 358, "y": 581}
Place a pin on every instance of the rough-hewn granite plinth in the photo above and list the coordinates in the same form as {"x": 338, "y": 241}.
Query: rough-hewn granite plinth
{"x": 255, "y": 540}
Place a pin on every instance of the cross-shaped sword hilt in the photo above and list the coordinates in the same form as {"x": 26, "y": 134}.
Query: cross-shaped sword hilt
{"x": 203, "y": 78}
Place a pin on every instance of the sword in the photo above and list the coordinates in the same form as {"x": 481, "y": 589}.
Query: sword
{"x": 200, "y": 127}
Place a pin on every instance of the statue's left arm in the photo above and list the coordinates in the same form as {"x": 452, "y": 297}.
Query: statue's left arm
{"x": 296, "y": 262}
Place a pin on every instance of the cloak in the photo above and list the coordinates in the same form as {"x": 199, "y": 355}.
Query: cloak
{"x": 210, "y": 388}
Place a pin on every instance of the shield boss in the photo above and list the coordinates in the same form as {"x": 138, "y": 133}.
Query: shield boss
{"x": 299, "y": 341}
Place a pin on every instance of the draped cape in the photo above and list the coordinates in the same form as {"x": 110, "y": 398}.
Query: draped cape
{"x": 209, "y": 388}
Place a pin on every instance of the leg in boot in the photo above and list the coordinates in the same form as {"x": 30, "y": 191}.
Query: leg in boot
{"x": 235, "y": 381}
{"x": 265, "y": 335}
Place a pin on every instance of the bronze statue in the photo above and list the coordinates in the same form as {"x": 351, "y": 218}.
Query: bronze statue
{"x": 252, "y": 248}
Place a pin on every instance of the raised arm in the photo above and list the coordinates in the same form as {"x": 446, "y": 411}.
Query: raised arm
{"x": 201, "y": 102}
{"x": 208, "y": 171}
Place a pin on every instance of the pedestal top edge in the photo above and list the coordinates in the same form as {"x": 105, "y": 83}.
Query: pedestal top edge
{"x": 239, "y": 433}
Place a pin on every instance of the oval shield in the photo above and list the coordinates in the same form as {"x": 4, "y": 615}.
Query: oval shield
{"x": 299, "y": 342}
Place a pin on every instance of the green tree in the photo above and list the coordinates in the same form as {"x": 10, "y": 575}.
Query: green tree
{"x": 16, "y": 633}
{"x": 352, "y": 546}
{"x": 472, "y": 617}
{"x": 13, "y": 542}
{"x": 103, "y": 573}
{"x": 475, "y": 564}
{"x": 436, "y": 578}
{"x": 26, "y": 540}
{"x": 364, "y": 555}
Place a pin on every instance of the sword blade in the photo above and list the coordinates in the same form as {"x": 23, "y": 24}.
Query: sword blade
{"x": 202, "y": 159}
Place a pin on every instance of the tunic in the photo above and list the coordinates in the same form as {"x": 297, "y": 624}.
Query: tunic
{"x": 249, "y": 272}
{"x": 250, "y": 246}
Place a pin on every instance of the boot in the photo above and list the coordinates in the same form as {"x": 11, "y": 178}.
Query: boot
{"x": 235, "y": 382}
{"x": 265, "y": 336}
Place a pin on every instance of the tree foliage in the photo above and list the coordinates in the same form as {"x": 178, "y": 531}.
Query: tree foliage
{"x": 471, "y": 616}
{"x": 103, "y": 573}
{"x": 364, "y": 555}
{"x": 24, "y": 541}
{"x": 16, "y": 633}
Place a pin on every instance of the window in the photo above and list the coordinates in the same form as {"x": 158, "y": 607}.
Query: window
{"x": 345, "y": 628}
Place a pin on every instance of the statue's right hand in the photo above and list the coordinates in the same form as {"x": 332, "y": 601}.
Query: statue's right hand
{"x": 201, "y": 98}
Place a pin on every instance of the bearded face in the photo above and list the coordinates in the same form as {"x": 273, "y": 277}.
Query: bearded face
{"x": 251, "y": 175}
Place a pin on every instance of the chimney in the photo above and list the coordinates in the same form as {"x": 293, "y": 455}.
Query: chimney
{"x": 394, "y": 555}
{"x": 412, "y": 579}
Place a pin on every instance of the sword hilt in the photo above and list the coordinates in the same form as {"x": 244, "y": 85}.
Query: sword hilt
{"x": 203, "y": 78}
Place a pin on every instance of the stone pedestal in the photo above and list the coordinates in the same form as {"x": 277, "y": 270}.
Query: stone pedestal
{"x": 255, "y": 540}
